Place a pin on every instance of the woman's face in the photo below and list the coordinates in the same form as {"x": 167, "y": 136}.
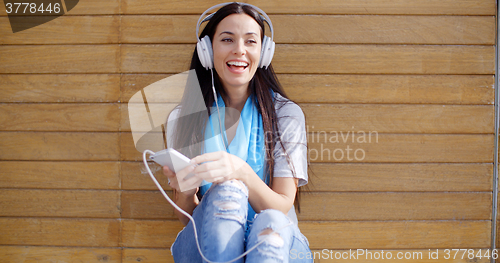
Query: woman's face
{"x": 236, "y": 45}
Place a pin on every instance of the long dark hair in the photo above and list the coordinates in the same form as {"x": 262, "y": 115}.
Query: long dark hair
{"x": 189, "y": 132}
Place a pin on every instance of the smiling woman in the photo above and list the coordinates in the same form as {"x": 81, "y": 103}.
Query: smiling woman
{"x": 252, "y": 151}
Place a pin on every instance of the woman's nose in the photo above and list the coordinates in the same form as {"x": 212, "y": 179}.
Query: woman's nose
{"x": 239, "y": 48}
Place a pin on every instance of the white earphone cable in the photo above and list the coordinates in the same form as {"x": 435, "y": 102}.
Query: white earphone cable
{"x": 144, "y": 159}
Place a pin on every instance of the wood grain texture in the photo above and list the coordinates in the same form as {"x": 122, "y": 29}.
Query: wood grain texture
{"x": 379, "y": 148}
{"x": 395, "y": 206}
{"x": 300, "y": 29}
{"x": 60, "y": 232}
{"x": 399, "y": 118}
{"x": 60, "y": 88}
{"x": 149, "y": 233}
{"x": 53, "y": 146}
{"x": 462, "y": 7}
{"x": 59, "y": 175}
{"x": 423, "y": 89}
{"x": 60, "y": 117}
{"x": 134, "y": 176}
{"x": 345, "y": 206}
{"x": 146, "y": 205}
{"x": 424, "y": 177}
{"x": 341, "y": 88}
{"x": 328, "y": 59}
{"x": 397, "y": 235}
{"x": 59, "y": 59}
{"x": 384, "y": 59}
{"x": 64, "y": 30}
{"x": 132, "y": 255}
{"x": 340, "y": 235}
{"x": 60, "y": 203}
{"x": 155, "y": 58}
{"x": 87, "y": 7}
{"x": 35, "y": 254}
{"x": 130, "y": 84}
{"x": 398, "y": 148}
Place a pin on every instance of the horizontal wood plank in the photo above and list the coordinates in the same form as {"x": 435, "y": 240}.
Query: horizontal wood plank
{"x": 59, "y": 175}
{"x": 63, "y": 30}
{"x": 60, "y": 117}
{"x": 60, "y": 88}
{"x": 87, "y": 7}
{"x": 146, "y": 205}
{"x": 399, "y": 118}
{"x": 35, "y": 254}
{"x": 444, "y": 177}
{"x": 463, "y": 7}
{"x": 384, "y": 59}
{"x": 345, "y": 206}
{"x": 53, "y": 146}
{"x": 397, "y": 235}
{"x": 423, "y": 89}
{"x": 372, "y": 117}
{"x": 340, "y": 235}
{"x": 323, "y": 147}
{"x": 395, "y": 206}
{"x": 327, "y": 59}
{"x": 59, "y": 59}
{"x": 135, "y": 177}
{"x": 408, "y": 89}
{"x": 325, "y": 29}
{"x": 60, "y": 203}
{"x": 60, "y": 232}
{"x": 378, "y": 148}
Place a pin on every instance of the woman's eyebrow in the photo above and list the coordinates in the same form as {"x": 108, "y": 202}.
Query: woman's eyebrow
{"x": 231, "y": 33}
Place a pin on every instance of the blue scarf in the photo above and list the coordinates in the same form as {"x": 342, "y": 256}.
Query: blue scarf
{"x": 248, "y": 142}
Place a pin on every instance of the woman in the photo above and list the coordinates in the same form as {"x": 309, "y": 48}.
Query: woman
{"x": 255, "y": 165}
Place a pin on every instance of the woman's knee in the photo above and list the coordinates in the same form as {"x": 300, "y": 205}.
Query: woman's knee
{"x": 271, "y": 216}
{"x": 229, "y": 201}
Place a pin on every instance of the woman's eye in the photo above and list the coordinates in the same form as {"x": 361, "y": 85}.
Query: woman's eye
{"x": 227, "y": 40}
{"x": 252, "y": 41}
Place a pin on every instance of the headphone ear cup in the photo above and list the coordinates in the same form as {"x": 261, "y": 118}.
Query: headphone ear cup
{"x": 267, "y": 52}
{"x": 205, "y": 52}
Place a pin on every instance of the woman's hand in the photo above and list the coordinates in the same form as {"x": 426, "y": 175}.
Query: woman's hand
{"x": 187, "y": 187}
{"x": 220, "y": 166}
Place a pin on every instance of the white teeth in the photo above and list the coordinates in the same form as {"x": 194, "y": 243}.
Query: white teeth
{"x": 237, "y": 63}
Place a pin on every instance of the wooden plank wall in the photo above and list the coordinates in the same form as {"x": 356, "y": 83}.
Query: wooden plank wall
{"x": 417, "y": 77}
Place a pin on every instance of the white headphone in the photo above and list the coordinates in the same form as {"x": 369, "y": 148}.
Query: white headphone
{"x": 204, "y": 45}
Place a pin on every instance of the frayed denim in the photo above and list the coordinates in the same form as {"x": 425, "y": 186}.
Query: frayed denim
{"x": 224, "y": 232}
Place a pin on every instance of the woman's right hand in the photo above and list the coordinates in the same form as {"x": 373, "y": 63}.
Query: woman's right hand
{"x": 187, "y": 187}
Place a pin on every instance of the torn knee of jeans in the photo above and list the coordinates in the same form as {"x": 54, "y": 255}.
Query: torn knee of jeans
{"x": 238, "y": 184}
{"x": 272, "y": 238}
{"x": 227, "y": 204}
{"x": 226, "y": 193}
{"x": 272, "y": 244}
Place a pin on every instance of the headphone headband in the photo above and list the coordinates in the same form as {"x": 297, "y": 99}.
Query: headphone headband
{"x": 262, "y": 14}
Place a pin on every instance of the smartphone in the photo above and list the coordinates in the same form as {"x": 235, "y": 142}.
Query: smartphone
{"x": 175, "y": 160}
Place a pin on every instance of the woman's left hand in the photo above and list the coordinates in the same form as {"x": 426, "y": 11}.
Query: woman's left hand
{"x": 220, "y": 166}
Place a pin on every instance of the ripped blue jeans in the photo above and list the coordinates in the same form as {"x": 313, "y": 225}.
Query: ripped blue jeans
{"x": 224, "y": 232}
